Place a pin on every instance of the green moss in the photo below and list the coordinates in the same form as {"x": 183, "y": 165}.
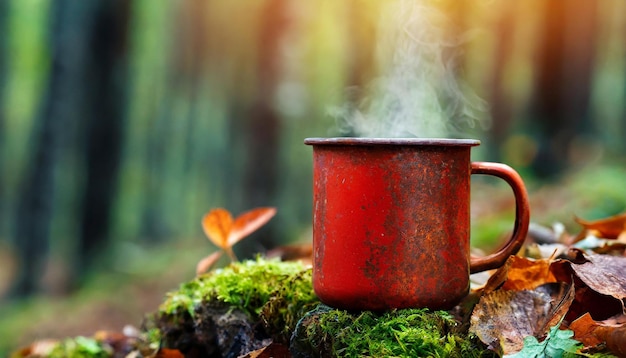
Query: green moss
{"x": 398, "y": 333}
{"x": 80, "y": 347}
{"x": 153, "y": 337}
{"x": 246, "y": 286}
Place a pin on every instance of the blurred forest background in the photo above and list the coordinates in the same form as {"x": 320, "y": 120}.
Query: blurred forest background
{"x": 123, "y": 122}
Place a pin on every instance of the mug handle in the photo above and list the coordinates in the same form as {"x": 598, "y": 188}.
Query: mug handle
{"x": 522, "y": 216}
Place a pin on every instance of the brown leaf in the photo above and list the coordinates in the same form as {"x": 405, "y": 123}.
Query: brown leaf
{"x": 206, "y": 263}
{"x": 248, "y": 222}
{"x": 498, "y": 278}
{"x": 592, "y": 333}
{"x": 603, "y": 273}
{"x": 586, "y": 299}
{"x": 615, "y": 339}
{"x": 502, "y": 319}
{"x": 608, "y": 228}
{"x": 584, "y": 330}
{"x": 562, "y": 270}
{"x": 562, "y": 298}
{"x": 217, "y": 225}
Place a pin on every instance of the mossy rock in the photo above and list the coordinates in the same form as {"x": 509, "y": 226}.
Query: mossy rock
{"x": 237, "y": 309}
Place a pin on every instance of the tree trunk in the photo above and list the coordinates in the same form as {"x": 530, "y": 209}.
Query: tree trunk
{"x": 58, "y": 111}
{"x": 500, "y": 103}
{"x": 3, "y": 149}
{"x": 84, "y": 96}
{"x": 563, "y": 86}
{"x": 105, "y": 85}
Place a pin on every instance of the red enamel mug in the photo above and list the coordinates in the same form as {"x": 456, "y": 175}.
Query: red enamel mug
{"x": 391, "y": 221}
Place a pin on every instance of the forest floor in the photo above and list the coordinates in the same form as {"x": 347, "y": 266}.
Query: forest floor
{"x": 113, "y": 299}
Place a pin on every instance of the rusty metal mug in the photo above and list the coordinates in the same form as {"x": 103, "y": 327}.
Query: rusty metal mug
{"x": 391, "y": 221}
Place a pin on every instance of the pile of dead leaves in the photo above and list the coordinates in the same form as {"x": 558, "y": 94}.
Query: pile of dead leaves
{"x": 567, "y": 297}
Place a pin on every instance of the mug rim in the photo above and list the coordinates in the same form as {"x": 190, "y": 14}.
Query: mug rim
{"x": 372, "y": 141}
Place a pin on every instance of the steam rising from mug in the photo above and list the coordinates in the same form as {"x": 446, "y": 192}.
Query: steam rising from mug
{"x": 418, "y": 94}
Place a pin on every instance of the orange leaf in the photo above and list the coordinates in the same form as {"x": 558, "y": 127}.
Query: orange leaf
{"x": 526, "y": 274}
{"x": 608, "y": 228}
{"x": 584, "y": 329}
{"x": 592, "y": 333}
{"x": 248, "y": 222}
{"x": 217, "y": 225}
{"x": 206, "y": 263}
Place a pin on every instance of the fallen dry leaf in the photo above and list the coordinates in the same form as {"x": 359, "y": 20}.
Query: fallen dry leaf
{"x": 600, "y": 306}
{"x": 584, "y": 330}
{"x": 562, "y": 295}
{"x": 592, "y": 333}
{"x": 613, "y": 227}
{"x": 519, "y": 273}
{"x": 502, "y": 319}
{"x": 604, "y": 274}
